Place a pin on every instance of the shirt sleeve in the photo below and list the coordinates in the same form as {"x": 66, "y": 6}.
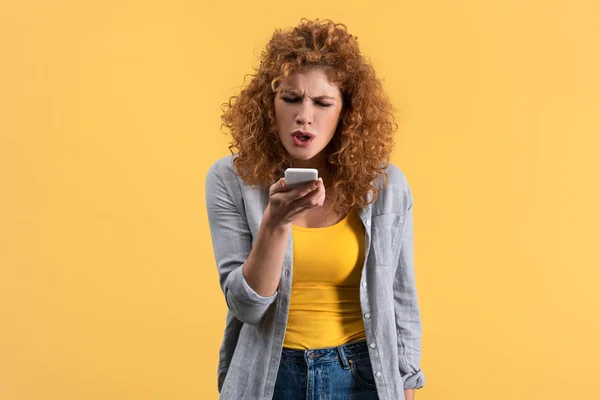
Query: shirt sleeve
{"x": 232, "y": 243}
{"x": 408, "y": 320}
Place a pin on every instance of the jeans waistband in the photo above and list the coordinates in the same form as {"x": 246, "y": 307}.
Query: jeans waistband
{"x": 341, "y": 354}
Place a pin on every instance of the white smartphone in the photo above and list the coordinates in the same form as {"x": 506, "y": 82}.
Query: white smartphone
{"x": 297, "y": 176}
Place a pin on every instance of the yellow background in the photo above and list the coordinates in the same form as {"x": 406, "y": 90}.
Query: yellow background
{"x": 109, "y": 120}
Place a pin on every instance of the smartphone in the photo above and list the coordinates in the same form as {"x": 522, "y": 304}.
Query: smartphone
{"x": 297, "y": 176}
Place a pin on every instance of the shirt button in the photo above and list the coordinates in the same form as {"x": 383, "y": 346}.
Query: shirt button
{"x": 368, "y": 223}
{"x": 378, "y": 374}
{"x": 372, "y": 345}
{"x": 364, "y": 284}
{"x": 367, "y": 315}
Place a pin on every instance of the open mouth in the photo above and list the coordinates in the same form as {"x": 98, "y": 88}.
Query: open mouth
{"x": 303, "y": 140}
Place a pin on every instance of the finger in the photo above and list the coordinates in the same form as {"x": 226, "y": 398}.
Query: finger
{"x": 321, "y": 197}
{"x": 322, "y": 200}
{"x": 277, "y": 187}
{"x": 308, "y": 201}
{"x": 303, "y": 189}
{"x": 319, "y": 192}
{"x": 319, "y": 203}
{"x": 321, "y": 184}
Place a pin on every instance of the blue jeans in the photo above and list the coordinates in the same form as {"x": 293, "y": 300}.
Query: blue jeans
{"x": 333, "y": 373}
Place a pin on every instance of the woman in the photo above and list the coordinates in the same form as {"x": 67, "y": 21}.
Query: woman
{"x": 319, "y": 278}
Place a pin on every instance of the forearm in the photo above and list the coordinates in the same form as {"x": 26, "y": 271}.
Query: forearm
{"x": 262, "y": 269}
{"x": 408, "y": 316}
{"x": 409, "y": 394}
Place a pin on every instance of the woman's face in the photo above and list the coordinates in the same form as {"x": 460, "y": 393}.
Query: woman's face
{"x": 307, "y": 101}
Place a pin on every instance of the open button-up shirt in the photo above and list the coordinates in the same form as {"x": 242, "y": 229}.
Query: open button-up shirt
{"x": 255, "y": 325}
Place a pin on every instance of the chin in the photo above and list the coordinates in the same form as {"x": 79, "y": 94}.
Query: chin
{"x": 303, "y": 155}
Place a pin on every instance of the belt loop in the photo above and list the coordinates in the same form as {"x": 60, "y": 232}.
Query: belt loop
{"x": 343, "y": 357}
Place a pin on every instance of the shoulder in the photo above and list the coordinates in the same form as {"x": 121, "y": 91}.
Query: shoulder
{"x": 395, "y": 175}
{"x": 221, "y": 170}
{"x": 397, "y": 193}
{"x": 396, "y": 179}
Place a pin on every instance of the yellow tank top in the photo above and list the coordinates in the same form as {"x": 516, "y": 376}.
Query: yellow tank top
{"x": 325, "y": 300}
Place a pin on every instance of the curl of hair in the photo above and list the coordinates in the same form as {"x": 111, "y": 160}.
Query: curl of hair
{"x": 360, "y": 148}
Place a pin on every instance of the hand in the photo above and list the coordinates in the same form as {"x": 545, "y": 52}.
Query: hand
{"x": 287, "y": 205}
{"x": 409, "y": 394}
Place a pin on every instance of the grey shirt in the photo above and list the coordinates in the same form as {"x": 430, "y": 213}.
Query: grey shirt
{"x": 255, "y": 325}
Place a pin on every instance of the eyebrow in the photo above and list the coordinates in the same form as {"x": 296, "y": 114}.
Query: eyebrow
{"x": 292, "y": 91}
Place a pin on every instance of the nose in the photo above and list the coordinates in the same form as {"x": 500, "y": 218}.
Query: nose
{"x": 305, "y": 114}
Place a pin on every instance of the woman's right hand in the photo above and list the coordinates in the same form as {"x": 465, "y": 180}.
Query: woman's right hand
{"x": 287, "y": 205}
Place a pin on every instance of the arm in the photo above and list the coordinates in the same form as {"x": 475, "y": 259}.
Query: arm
{"x": 235, "y": 256}
{"x": 262, "y": 269}
{"x": 408, "y": 320}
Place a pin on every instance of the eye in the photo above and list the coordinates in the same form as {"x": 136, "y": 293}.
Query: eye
{"x": 295, "y": 100}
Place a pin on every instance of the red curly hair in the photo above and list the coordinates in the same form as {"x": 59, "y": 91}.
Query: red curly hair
{"x": 361, "y": 146}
